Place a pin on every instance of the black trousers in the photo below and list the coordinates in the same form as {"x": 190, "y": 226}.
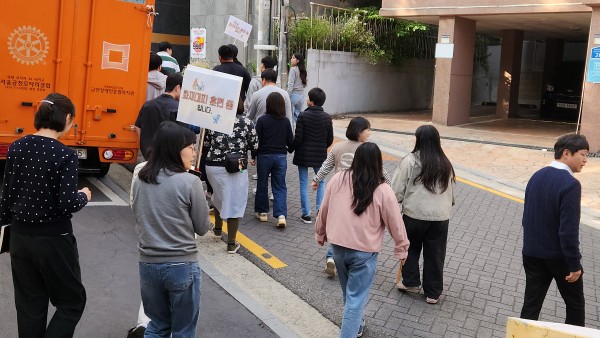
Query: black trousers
{"x": 539, "y": 274}
{"x": 46, "y": 269}
{"x": 431, "y": 237}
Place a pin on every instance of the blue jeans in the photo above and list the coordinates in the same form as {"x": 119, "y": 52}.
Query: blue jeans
{"x": 276, "y": 165}
{"x": 356, "y": 271}
{"x": 171, "y": 298}
{"x": 296, "y": 100}
{"x": 304, "y": 202}
{"x": 329, "y": 253}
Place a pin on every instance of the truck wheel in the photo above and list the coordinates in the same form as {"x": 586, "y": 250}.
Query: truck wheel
{"x": 104, "y": 167}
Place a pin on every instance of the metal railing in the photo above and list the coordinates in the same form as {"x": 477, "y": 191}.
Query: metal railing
{"x": 327, "y": 28}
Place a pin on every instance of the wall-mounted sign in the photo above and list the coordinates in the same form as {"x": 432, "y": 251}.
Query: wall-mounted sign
{"x": 593, "y": 73}
{"x": 445, "y": 39}
{"x": 444, "y": 50}
{"x": 198, "y": 43}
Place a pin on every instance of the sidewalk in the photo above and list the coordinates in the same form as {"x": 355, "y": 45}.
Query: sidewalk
{"x": 483, "y": 280}
{"x": 476, "y": 150}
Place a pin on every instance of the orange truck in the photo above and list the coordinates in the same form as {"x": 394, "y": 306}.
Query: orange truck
{"x": 96, "y": 52}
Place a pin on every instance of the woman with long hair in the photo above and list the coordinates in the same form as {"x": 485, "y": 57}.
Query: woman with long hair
{"x": 230, "y": 190}
{"x": 169, "y": 208}
{"x": 357, "y": 207}
{"x": 424, "y": 184}
{"x": 296, "y": 84}
{"x": 275, "y": 137}
{"x": 340, "y": 157}
{"x": 39, "y": 197}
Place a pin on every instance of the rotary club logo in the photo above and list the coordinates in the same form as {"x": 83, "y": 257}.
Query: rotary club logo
{"x": 28, "y": 45}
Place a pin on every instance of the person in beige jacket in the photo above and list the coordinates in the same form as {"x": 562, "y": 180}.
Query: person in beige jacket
{"x": 424, "y": 183}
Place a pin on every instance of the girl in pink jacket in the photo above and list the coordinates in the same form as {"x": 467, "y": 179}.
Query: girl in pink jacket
{"x": 357, "y": 207}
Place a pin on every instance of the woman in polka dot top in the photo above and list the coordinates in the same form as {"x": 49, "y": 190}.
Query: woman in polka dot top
{"x": 39, "y": 195}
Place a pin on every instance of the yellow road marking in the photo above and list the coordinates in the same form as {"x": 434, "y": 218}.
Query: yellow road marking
{"x": 496, "y": 192}
{"x": 256, "y": 249}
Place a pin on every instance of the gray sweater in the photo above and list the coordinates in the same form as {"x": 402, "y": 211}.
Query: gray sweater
{"x": 295, "y": 85}
{"x": 167, "y": 216}
{"x": 258, "y": 102}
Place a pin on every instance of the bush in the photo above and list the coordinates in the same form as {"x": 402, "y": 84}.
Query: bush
{"x": 359, "y": 39}
{"x": 301, "y": 33}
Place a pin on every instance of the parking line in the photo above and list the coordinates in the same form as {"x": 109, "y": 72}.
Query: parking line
{"x": 255, "y": 249}
{"x": 496, "y": 192}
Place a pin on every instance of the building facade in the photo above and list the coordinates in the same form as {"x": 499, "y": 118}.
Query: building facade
{"x": 554, "y": 21}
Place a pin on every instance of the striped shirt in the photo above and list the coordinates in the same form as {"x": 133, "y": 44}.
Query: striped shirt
{"x": 169, "y": 64}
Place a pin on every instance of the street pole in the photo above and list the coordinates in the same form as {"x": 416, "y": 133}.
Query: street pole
{"x": 281, "y": 62}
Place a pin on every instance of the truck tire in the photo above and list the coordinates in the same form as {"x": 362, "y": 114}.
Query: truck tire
{"x": 104, "y": 167}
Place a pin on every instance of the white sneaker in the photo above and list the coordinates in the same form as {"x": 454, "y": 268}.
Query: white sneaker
{"x": 254, "y": 191}
{"x": 255, "y": 177}
{"x": 262, "y": 216}
{"x": 330, "y": 269}
{"x": 281, "y": 222}
{"x": 413, "y": 289}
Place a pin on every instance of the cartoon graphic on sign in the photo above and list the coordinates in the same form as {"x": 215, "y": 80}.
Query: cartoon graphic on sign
{"x": 198, "y": 44}
{"x": 115, "y": 56}
{"x": 28, "y": 45}
{"x": 216, "y": 119}
{"x": 197, "y": 87}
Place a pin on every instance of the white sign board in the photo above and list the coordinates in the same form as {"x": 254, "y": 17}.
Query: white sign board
{"x": 444, "y": 50}
{"x": 209, "y": 99}
{"x": 198, "y": 43}
{"x": 238, "y": 29}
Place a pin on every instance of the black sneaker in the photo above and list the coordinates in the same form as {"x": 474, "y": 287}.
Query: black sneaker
{"x": 361, "y": 329}
{"x": 306, "y": 219}
{"x": 233, "y": 248}
{"x": 136, "y": 332}
{"x": 216, "y": 232}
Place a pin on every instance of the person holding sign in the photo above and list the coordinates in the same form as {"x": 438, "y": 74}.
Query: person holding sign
{"x": 275, "y": 137}
{"x": 230, "y": 190}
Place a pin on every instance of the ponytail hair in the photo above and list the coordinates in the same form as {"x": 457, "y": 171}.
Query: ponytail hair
{"x": 52, "y": 113}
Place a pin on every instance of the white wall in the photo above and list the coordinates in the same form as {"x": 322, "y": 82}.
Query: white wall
{"x": 352, "y": 85}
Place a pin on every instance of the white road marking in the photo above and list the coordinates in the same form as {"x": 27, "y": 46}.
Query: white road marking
{"x": 115, "y": 200}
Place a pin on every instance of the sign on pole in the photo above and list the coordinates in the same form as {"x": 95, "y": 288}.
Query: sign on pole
{"x": 198, "y": 43}
{"x": 238, "y": 29}
{"x": 209, "y": 99}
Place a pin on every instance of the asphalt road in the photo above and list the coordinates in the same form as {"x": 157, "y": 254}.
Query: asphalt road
{"x": 107, "y": 242}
